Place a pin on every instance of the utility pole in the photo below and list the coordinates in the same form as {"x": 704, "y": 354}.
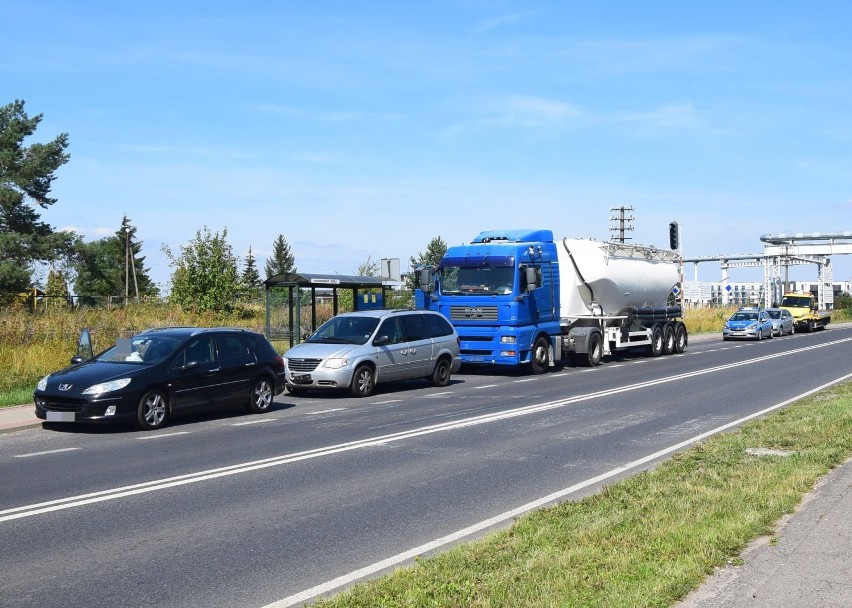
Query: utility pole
{"x": 622, "y": 223}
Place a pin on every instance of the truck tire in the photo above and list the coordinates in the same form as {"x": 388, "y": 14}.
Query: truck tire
{"x": 668, "y": 339}
{"x": 593, "y": 358}
{"x": 681, "y": 338}
{"x": 655, "y": 349}
{"x": 538, "y": 358}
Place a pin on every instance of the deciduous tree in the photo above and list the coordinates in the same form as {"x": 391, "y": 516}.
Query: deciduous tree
{"x": 205, "y": 275}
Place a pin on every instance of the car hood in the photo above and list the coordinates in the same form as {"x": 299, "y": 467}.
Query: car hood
{"x": 741, "y": 324}
{"x": 316, "y": 350}
{"x": 86, "y": 374}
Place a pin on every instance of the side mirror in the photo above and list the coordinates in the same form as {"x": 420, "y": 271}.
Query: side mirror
{"x": 532, "y": 278}
{"x": 381, "y": 340}
{"x": 424, "y": 280}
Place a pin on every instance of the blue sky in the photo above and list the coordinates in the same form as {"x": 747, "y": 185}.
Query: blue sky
{"x": 364, "y": 129}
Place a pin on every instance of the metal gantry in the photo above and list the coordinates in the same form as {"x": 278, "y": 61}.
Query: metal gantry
{"x": 781, "y": 251}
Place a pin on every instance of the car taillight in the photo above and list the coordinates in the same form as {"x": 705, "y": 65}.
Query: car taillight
{"x": 280, "y": 361}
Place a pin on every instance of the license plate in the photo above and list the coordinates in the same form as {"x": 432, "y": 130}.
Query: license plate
{"x": 60, "y": 417}
{"x": 301, "y": 379}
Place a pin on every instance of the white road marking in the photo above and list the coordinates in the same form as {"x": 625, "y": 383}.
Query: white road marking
{"x": 165, "y": 435}
{"x": 476, "y": 388}
{"x": 356, "y": 575}
{"x": 525, "y": 380}
{"x": 442, "y": 393}
{"x": 336, "y": 409}
{"x": 260, "y": 421}
{"x": 45, "y": 453}
{"x": 170, "y": 482}
{"x": 388, "y": 401}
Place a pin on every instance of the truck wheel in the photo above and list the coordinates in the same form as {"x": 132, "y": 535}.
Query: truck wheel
{"x": 668, "y": 339}
{"x": 810, "y": 326}
{"x": 539, "y": 355}
{"x": 655, "y": 349}
{"x": 681, "y": 338}
{"x": 595, "y": 350}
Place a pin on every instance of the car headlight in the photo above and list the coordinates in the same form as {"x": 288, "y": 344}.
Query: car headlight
{"x": 42, "y": 384}
{"x": 106, "y": 387}
{"x": 335, "y": 363}
{"x": 753, "y": 326}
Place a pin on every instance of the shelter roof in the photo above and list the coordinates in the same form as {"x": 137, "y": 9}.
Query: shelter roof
{"x": 326, "y": 280}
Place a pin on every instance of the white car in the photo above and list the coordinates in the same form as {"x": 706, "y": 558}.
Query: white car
{"x": 356, "y": 350}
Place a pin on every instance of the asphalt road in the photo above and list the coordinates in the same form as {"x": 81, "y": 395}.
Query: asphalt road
{"x": 236, "y": 510}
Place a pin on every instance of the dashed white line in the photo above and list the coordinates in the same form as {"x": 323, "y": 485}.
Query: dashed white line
{"x": 165, "y": 435}
{"x": 336, "y": 409}
{"x": 388, "y": 401}
{"x": 485, "y": 386}
{"x": 45, "y": 453}
{"x": 262, "y": 420}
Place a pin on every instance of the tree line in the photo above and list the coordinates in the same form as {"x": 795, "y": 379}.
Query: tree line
{"x": 206, "y": 273}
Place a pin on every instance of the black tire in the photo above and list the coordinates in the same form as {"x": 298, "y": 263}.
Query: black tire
{"x": 152, "y": 411}
{"x": 668, "y": 339}
{"x": 538, "y": 360}
{"x": 441, "y": 374}
{"x": 595, "y": 354}
{"x": 681, "y": 338}
{"x": 810, "y": 326}
{"x": 363, "y": 381}
{"x": 261, "y": 396}
{"x": 655, "y": 349}
{"x": 759, "y": 334}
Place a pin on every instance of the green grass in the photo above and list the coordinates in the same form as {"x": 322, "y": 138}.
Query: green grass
{"x": 644, "y": 541}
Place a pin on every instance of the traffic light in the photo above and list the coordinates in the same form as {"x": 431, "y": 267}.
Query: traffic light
{"x": 674, "y": 243}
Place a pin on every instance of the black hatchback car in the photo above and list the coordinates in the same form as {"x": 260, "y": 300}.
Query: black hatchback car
{"x": 161, "y": 373}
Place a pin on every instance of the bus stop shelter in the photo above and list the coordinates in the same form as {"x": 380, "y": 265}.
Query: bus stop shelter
{"x": 293, "y": 283}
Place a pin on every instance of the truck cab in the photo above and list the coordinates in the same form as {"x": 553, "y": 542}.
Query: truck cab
{"x": 805, "y": 310}
{"x": 500, "y": 292}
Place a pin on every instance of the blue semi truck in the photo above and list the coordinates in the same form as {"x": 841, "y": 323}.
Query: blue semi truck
{"x": 520, "y": 297}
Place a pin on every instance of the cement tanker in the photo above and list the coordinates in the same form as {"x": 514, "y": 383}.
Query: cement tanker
{"x": 519, "y": 297}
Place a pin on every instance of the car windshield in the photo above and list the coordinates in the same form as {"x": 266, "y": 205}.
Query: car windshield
{"x": 744, "y": 316}
{"x": 140, "y": 350}
{"x": 775, "y": 314}
{"x": 345, "y": 330}
{"x": 494, "y": 280}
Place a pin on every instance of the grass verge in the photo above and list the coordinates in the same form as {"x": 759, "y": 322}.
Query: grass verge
{"x": 644, "y": 541}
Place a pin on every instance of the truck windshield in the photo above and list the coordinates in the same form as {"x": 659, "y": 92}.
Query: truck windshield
{"x": 796, "y": 301}
{"x": 494, "y": 280}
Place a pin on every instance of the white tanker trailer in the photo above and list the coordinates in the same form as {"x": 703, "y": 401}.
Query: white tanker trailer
{"x": 520, "y": 297}
{"x": 615, "y": 296}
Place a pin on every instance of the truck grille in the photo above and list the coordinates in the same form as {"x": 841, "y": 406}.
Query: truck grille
{"x": 303, "y": 365}
{"x": 478, "y": 313}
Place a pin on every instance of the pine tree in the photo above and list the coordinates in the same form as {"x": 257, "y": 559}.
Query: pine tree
{"x": 113, "y": 266}
{"x": 282, "y": 260}
{"x": 26, "y": 174}
{"x": 251, "y": 277}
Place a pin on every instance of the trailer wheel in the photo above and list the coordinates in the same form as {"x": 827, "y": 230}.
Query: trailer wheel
{"x": 681, "y": 338}
{"x": 595, "y": 350}
{"x": 656, "y": 347}
{"x": 668, "y": 339}
{"x": 539, "y": 355}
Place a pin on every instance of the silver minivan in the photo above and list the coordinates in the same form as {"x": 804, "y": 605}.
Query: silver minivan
{"x": 355, "y": 350}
